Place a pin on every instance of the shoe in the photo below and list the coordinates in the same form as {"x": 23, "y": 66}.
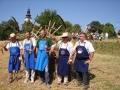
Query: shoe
{"x": 59, "y": 83}
{"x": 86, "y": 87}
{"x": 41, "y": 82}
{"x": 16, "y": 79}
{"x": 26, "y": 80}
{"x": 10, "y": 81}
{"x": 48, "y": 86}
{"x": 66, "y": 84}
{"x": 79, "y": 83}
{"x": 32, "y": 81}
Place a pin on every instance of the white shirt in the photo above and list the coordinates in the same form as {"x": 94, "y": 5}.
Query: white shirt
{"x": 68, "y": 45}
{"x": 11, "y": 44}
{"x": 32, "y": 41}
{"x": 88, "y": 45}
{"x": 106, "y": 34}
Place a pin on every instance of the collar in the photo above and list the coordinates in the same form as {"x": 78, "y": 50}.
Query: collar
{"x": 83, "y": 41}
{"x": 44, "y": 38}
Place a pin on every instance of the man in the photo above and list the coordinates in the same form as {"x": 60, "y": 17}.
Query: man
{"x": 106, "y": 36}
{"x": 14, "y": 46}
{"x": 118, "y": 35}
{"x": 84, "y": 55}
{"x": 65, "y": 48}
{"x": 29, "y": 46}
{"x": 43, "y": 45}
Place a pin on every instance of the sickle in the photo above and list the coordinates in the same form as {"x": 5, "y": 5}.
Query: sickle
{"x": 62, "y": 21}
{"x": 16, "y": 23}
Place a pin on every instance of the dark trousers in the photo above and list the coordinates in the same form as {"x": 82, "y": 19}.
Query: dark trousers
{"x": 44, "y": 75}
{"x": 82, "y": 77}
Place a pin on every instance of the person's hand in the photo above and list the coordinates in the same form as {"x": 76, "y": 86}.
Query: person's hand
{"x": 52, "y": 49}
{"x": 88, "y": 61}
{"x": 23, "y": 53}
{"x": 69, "y": 62}
{"x": 20, "y": 58}
{"x": 35, "y": 59}
{"x": 32, "y": 51}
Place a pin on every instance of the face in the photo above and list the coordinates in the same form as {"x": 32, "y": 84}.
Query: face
{"x": 27, "y": 35}
{"x": 82, "y": 37}
{"x": 13, "y": 39}
{"x": 42, "y": 34}
{"x": 65, "y": 39}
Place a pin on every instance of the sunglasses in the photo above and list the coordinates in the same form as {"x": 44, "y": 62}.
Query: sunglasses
{"x": 64, "y": 37}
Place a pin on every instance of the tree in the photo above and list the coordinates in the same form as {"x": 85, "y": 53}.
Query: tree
{"x": 27, "y": 26}
{"x": 109, "y": 28}
{"x": 68, "y": 26}
{"x": 76, "y": 28}
{"x": 51, "y": 15}
{"x": 6, "y": 28}
{"x": 11, "y": 25}
{"x": 96, "y": 26}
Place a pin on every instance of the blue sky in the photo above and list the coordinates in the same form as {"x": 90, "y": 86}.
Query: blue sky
{"x": 80, "y": 12}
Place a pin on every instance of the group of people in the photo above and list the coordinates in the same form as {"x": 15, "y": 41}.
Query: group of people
{"x": 101, "y": 36}
{"x": 37, "y": 57}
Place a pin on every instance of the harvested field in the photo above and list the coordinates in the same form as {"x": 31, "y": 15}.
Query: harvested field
{"x": 104, "y": 75}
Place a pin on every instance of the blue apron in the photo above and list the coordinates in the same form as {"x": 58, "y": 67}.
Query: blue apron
{"x": 42, "y": 56}
{"x": 63, "y": 67}
{"x": 14, "y": 62}
{"x": 29, "y": 57}
{"x": 81, "y": 56}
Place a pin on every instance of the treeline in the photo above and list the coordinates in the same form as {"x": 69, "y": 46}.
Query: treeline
{"x": 6, "y": 27}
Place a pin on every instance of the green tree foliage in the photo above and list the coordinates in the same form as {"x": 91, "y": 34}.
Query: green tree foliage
{"x": 6, "y": 28}
{"x": 76, "y": 28}
{"x": 50, "y": 15}
{"x": 12, "y": 24}
{"x": 110, "y": 29}
{"x": 68, "y": 26}
{"x": 96, "y": 26}
{"x": 27, "y": 26}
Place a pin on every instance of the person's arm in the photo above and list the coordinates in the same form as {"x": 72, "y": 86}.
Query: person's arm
{"x": 6, "y": 46}
{"x": 55, "y": 46}
{"x": 72, "y": 54}
{"x": 49, "y": 41}
{"x": 91, "y": 53}
{"x": 36, "y": 50}
{"x": 37, "y": 46}
{"x": 90, "y": 58}
{"x": 73, "y": 51}
{"x": 23, "y": 51}
{"x": 34, "y": 44}
{"x": 21, "y": 48}
{"x": 70, "y": 51}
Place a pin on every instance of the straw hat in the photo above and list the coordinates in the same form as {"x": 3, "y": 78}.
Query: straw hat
{"x": 64, "y": 34}
{"x": 12, "y": 35}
